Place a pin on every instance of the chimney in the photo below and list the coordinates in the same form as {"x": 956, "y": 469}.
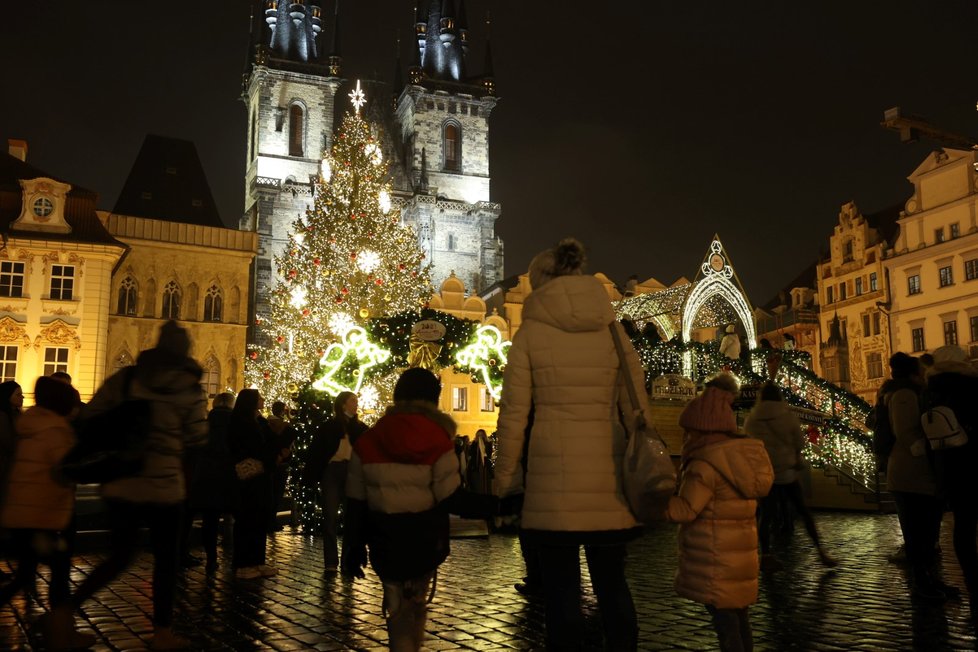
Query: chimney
{"x": 17, "y": 148}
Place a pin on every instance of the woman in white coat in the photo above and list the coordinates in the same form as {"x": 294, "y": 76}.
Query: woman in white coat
{"x": 563, "y": 365}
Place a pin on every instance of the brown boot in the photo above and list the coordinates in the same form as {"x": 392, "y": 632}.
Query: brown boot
{"x": 60, "y": 632}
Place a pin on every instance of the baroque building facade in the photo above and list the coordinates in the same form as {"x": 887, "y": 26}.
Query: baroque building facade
{"x": 933, "y": 263}
{"x": 853, "y": 294}
{"x": 56, "y": 266}
{"x": 434, "y": 131}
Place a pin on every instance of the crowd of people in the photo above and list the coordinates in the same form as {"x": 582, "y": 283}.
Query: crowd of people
{"x": 555, "y": 461}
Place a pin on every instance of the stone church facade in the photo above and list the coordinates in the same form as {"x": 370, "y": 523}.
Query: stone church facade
{"x": 434, "y": 130}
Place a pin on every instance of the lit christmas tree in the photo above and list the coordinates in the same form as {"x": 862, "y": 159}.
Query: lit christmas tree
{"x": 348, "y": 260}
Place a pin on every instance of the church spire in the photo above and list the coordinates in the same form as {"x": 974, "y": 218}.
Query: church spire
{"x": 293, "y": 27}
{"x": 446, "y": 30}
{"x": 398, "y": 84}
{"x": 488, "y": 79}
{"x": 335, "y": 61}
{"x": 462, "y": 25}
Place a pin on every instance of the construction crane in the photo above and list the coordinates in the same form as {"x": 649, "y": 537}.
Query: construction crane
{"x": 912, "y": 127}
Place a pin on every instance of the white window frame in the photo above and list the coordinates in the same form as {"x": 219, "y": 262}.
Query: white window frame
{"x": 62, "y": 286}
{"x": 55, "y": 359}
{"x": 460, "y": 399}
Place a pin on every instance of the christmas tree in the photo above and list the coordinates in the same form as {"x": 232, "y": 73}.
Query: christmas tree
{"x": 346, "y": 261}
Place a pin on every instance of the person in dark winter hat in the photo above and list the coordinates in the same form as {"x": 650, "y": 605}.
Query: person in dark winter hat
{"x": 952, "y": 382}
{"x": 403, "y": 477}
{"x": 170, "y": 380}
{"x": 723, "y": 475}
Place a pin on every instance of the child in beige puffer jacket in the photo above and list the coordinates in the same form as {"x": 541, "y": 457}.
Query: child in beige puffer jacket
{"x": 723, "y": 475}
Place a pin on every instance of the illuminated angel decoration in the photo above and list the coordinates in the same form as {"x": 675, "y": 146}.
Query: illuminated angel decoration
{"x": 354, "y": 343}
{"x": 488, "y": 350}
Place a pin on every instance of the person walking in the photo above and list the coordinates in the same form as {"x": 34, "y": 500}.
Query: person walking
{"x": 403, "y": 476}
{"x": 563, "y": 365}
{"x": 772, "y": 422}
{"x": 723, "y": 475}
{"x": 282, "y": 437}
{"x": 169, "y": 379}
{"x": 214, "y": 490}
{"x": 39, "y": 508}
{"x": 910, "y": 475}
{"x": 250, "y": 443}
{"x": 952, "y": 382}
{"x": 11, "y": 404}
{"x": 334, "y": 442}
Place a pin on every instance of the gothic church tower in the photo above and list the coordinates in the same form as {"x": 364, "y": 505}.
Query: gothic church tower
{"x": 289, "y": 90}
{"x": 442, "y": 116}
{"x": 437, "y": 134}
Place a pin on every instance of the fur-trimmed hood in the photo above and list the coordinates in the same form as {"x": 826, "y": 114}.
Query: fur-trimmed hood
{"x": 413, "y": 431}
{"x": 952, "y": 367}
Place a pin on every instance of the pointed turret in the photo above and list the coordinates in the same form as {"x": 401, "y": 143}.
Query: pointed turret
{"x": 293, "y": 27}
{"x": 421, "y": 28}
{"x": 488, "y": 78}
{"x": 335, "y": 61}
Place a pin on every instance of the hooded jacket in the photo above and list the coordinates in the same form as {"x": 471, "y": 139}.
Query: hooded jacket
{"x": 905, "y": 471}
{"x": 36, "y": 497}
{"x": 776, "y": 425}
{"x": 716, "y": 508}
{"x": 404, "y": 468}
{"x": 954, "y": 384}
{"x": 178, "y": 419}
{"x": 563, "y": 364}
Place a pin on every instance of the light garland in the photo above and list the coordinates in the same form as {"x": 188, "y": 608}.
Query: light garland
{"x": 356, "y": 349}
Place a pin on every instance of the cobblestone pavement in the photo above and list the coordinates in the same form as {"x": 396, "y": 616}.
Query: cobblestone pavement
{"x": 861, "y": 605}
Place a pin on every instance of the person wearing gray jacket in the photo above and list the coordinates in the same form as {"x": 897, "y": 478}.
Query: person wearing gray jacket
{"x": 170, "y": 380}
{"x": 773, "y": 422}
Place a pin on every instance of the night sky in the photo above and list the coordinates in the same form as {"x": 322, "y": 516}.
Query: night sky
{"x": 639, "y": 126}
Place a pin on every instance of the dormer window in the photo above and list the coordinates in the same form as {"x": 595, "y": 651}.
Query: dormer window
{"x": 42, "y": 207}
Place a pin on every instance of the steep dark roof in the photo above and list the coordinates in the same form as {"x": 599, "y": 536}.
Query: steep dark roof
{"x": 807, "y": 278}
{"x": 167, "y": 182}
{"x": 80, "y": 206}
{"x": 885, "y": 221}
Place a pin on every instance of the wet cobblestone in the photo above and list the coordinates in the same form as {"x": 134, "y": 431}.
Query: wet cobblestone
{"x": 861, "y": 605}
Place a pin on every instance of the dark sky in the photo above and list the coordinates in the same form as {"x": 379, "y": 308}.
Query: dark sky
{"x": 639, "y": 126}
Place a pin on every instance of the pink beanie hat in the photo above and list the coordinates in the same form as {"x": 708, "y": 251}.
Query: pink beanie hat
{"x": 711, "y": 411}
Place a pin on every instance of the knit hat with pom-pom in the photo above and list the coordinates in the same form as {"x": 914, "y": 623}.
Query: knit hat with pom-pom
{"x": 711, "y": 411}
{"x": 566, "y": 259}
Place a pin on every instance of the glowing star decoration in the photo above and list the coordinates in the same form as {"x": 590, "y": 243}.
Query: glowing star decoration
{"x": 357, "y": 98}
{"x": 325, "y": 170}
{"x": 384, "y": 199}
{"x": 488, "y": 345}
{"x": 355, "y": 344}
{"x": 368, "y": 261}
{"x": 369, "y": 399}
{"x": 299, "y": 295}
{"x": 341, "y": 322}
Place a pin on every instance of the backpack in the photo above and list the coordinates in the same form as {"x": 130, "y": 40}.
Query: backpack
{"x": 878, "y": 420}
{"x": 111, "y": 445}
{"x": 942, "y": 428}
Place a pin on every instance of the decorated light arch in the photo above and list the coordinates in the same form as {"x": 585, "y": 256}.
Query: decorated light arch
{"x": 717, "y": 278}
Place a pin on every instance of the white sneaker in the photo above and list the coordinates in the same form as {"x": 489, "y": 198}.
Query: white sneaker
{"x": 267, "y": 571}
{"x": 248, "y": 573}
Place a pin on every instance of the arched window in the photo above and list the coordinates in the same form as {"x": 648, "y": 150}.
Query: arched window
{"x": 295, "y": 130}
{"x": 213, "y": 304}
{"x": 127, "y": 297}
{"x": 171, "y": 301}
{"x": 452, "y": 147}
{"x": 211, "y": 379}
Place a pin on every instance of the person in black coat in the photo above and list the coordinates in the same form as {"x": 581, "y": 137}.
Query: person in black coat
{"x": 328, "y": 460}
{"x": 251, "y": 445}
{"x": 953, "y": 382}
{"x": 214, "y": 487}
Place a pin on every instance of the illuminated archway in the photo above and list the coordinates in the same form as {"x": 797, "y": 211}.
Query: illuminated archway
{"x": 718, "y": 279}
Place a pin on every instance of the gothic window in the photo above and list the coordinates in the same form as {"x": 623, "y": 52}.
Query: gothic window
{"x": 127, "y": 297}
{"x": 450, "y": 244}
{"x": 171, "y": 301}
{"x": 212, "y": 377}
{"x": 296, "y": 131}
{"x": 452, "y": 147}
{"x": 213, "y": 304}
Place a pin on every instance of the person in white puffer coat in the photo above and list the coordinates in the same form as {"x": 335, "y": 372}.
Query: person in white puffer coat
{"x": 564, "y": 366}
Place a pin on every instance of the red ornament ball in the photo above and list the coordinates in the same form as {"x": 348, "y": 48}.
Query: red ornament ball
{"x": 279, "y": 339}
{"x": 345, "y": 291}
{"x": 292, "y": 273}
{"x": 305, "y": 312}
{"x": 253, "y": 355}
{"x": 379, "y": 281}
{"x": 316, "y": 262}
